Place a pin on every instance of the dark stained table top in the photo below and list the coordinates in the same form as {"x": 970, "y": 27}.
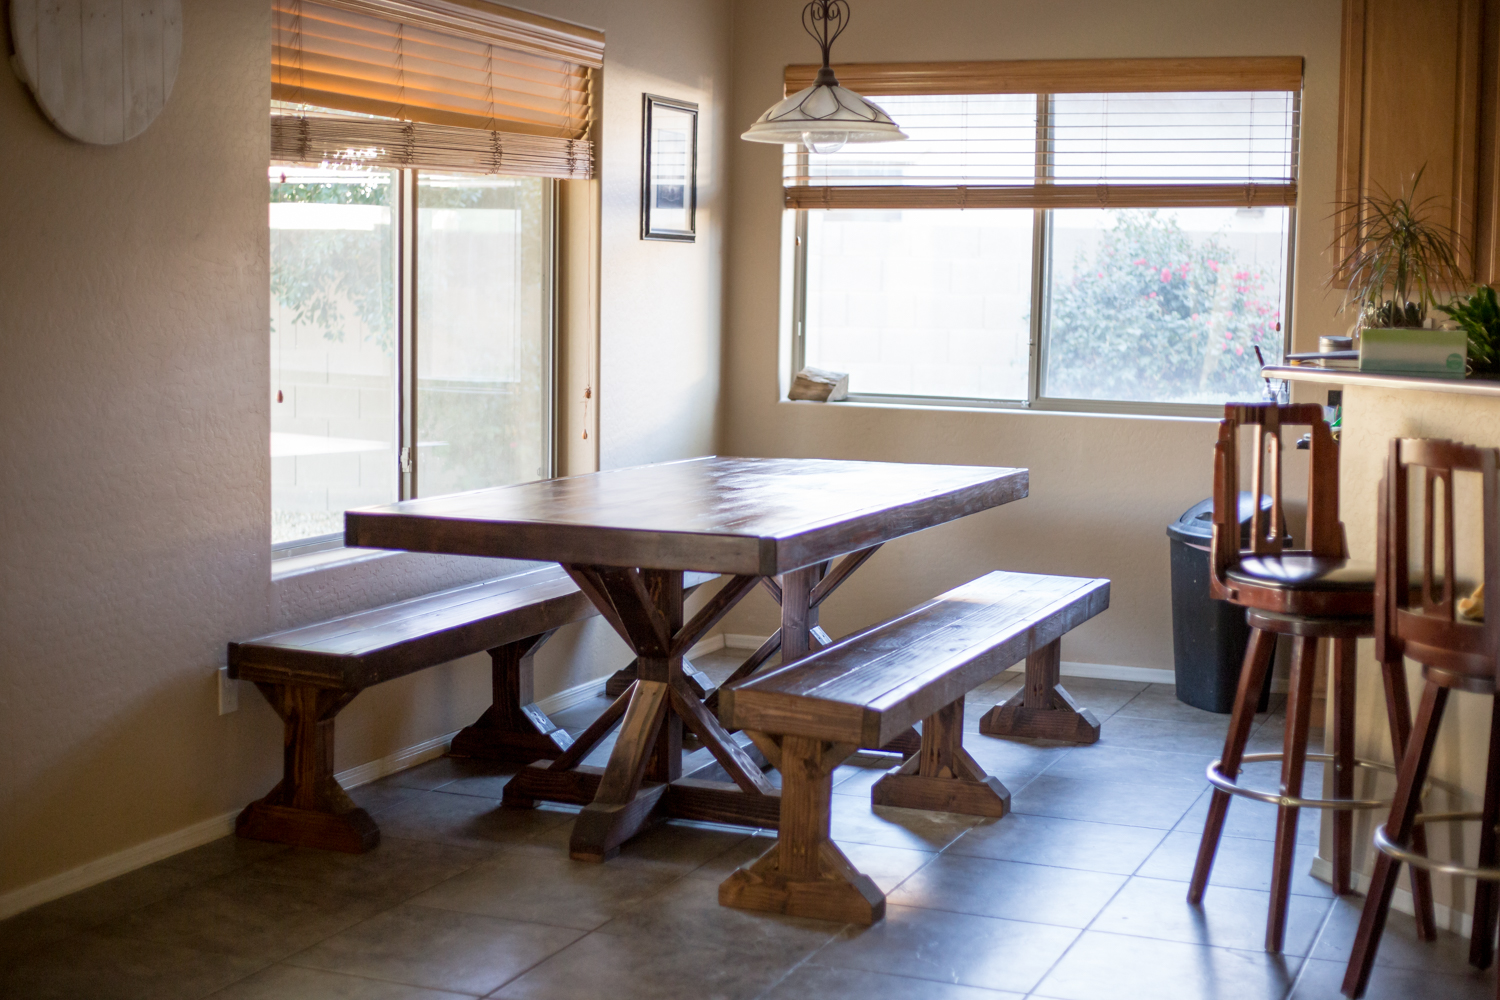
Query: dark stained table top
{"x": 757, "y": 516}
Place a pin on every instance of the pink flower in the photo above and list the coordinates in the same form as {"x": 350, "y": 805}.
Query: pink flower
{"x": 1195, "y": 317}
{"x": 1140, "y": 262}
{"x": 1213, "y": 265}
{"x": 1151, "y": 295}
{"x": 1239, "y": 350}
{"x": 1166, "y": 275}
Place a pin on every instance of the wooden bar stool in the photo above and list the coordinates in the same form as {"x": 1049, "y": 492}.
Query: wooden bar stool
{"x": 1420, "y": 620}
{"x": 1309, "y": 594}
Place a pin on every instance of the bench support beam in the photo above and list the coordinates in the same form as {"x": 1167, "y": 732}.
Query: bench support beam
{"x": 942, "y": 776}
{"x": 513, "y": 729}
{"x": 308, "y": 808}
{"x": 1042, "y": 709}
{"x": 805, "y": 874}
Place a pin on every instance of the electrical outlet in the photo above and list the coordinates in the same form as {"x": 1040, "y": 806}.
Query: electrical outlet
{"x": 229, "y": 692}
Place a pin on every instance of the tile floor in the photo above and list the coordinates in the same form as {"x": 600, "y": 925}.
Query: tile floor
{"x": 1077, "y": 895}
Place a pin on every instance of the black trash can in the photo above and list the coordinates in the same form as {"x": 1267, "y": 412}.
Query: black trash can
{"x": 1208, "y": 636}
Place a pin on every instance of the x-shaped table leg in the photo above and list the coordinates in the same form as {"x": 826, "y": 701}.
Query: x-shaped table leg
{"x": 635, "y": 789}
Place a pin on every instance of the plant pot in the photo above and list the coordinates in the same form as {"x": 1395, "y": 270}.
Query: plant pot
{"x": 1408, "y": 351}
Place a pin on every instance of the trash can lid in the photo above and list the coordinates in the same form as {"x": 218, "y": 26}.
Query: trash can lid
{"x": 1196, "y": 525}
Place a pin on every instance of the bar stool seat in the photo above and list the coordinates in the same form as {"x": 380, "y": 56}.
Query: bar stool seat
{"x": 1314, "y": 594}
{"x": 1306, "y": 572}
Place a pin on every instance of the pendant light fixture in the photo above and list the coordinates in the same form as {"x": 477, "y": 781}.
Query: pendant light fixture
{"x": 824, "y": 116}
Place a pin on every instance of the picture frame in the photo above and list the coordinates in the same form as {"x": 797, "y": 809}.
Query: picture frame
{"x": 669, "y": 169}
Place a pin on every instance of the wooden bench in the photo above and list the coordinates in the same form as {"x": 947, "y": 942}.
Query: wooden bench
{"x": 867, "y": 688}
{"x": 309, "y": 674}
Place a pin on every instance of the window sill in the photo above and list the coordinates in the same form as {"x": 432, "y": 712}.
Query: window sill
{"x": 281, "y": 569}
{"x": 1054, "y": 408}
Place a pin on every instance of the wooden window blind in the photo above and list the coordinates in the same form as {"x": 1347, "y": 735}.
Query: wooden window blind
{"x": 453, "y": 84}
{"x": 1064, "y": 134}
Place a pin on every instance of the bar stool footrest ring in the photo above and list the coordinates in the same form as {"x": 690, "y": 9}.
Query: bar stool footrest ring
{"x": 1225, "y": 783}
{"x": 1386, "y": 845}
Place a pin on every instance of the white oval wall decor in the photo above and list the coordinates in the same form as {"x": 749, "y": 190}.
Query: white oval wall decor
{"x": 101, "y": 70}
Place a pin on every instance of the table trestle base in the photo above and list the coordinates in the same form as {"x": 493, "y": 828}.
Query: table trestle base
{"x": 1043, "y": 709}
{"x": 805, "y": 874}
{"x": 942, "y": 776}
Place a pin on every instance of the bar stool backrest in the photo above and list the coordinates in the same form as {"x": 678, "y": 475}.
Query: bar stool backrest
{"x": 1325, "y": 533}
{"x": 1418, "y": 617}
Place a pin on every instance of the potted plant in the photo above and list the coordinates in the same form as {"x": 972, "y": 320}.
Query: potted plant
{"x": 1478, "y": 316}
{"x": 1398, "y": 263}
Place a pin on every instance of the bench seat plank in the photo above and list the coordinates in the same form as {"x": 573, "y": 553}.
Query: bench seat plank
{"x": 369, "y": 647}
{"x": 870, "y": 687}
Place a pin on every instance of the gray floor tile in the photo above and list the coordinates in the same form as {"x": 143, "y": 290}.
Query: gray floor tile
{"x": 576, "y": 718}
{"x": 1114, "y": 967}
{"x": 379, "y": 797}
{"x": 951, "y": 948}
{"x": 394, "y": 871}
{"x": 288, "y": 982}
{"x": 1063, "y": 896}
{"x": 717, "y": 869}
{"x": 1321, "y": 980}
{"x": 113, "y": 899}
{"x": 1105, "y": 800}
{"x": 887, "y": 866}
{"x": 26, "y": 932}
{"x": 550, "y": 888}
{"x": 95, "y": 967}
{"x": 1205, "y": 736}
{"x": 856, "y": 821}
{"x": 245, "y": 917}
{"x": 1239, "y": 863}
{"x": 688, "y": 912}
{"x": 1014, "y": 762}
{"x": 1062, "y": 843}
{"x": 1256, "y": 820}
{"x": 1133, "y": 766}
{"x": 1399, "y": 945}
{"x": 857, "y": 781}
{"x": 438, "y": 949}
{"x": 1159, "y": 701}
{"x": 610, "y": 967}
{"x": 222, "y": 856}
{"x": 468, "y": 821}
{"x": 817, "y": 982}
{"x": 1228, "y": 918}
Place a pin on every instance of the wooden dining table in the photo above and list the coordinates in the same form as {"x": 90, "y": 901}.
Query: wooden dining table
{"x": 798, "y": 527}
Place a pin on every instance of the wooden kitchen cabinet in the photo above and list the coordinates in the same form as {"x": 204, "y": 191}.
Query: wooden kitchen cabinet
{"x": 1412, "y": 83}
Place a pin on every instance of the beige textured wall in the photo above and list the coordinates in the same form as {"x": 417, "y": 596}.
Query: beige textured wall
{"x": 134, "y": 511}
{"x": 1102, "y": 488}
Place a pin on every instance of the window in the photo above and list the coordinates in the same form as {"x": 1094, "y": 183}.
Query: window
{"x": 1043, "y": 241}
{"x": 416, "y": 155}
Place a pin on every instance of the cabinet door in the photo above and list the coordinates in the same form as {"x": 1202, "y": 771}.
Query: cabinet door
{"x": 1409, "y": 102}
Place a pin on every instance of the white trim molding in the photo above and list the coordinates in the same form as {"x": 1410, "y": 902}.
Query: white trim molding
{"x": 1446, "y": 917}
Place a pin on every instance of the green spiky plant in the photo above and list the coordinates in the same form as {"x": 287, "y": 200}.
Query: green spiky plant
{"x": 1478, "y": 315}
{"x": 1398, "y": 261}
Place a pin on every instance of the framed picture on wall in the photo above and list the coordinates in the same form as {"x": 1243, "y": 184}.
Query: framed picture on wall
{"x": 669, "y": 170}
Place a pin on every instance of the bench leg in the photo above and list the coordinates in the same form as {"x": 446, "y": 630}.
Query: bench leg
{"x": 1042, "y": 709}
{"x": 942, "y": 776}
{"x": 308, "y": 808}
{"x": 805, "y": 874}
{"x": 513, "y": 729}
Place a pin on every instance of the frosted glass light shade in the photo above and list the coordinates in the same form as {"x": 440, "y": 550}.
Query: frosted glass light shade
{"x": 827, "y": 115}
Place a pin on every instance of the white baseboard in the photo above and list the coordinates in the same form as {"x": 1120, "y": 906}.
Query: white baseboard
{"x": 1446, "y": 917}
{"x": 200, "y": 833}
{"x": 712, "y": 644}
